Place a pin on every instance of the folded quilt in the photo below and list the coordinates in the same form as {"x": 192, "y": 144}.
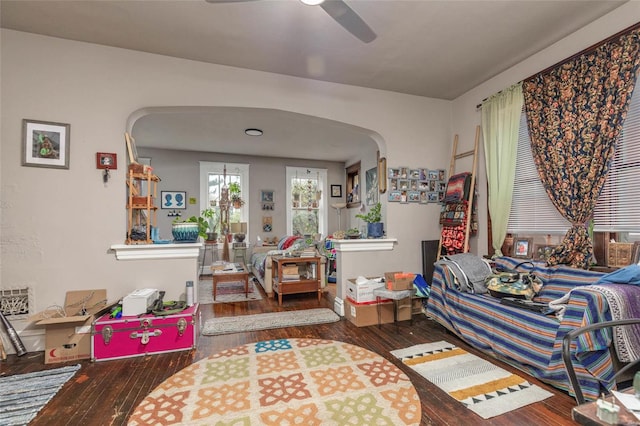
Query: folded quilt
{"x": 470, "y": 270}
{"x": 624, "y": 303}
{"x": 458, "y": 187}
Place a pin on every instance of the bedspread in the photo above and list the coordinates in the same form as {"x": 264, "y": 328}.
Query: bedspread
{"x": 529, "y": 340}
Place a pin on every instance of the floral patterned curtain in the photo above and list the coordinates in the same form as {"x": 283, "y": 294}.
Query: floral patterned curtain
{"x": 574, "y": 114}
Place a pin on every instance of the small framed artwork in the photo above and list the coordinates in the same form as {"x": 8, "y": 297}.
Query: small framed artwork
{"x": 414, "y": 196}
{"x": 266, "y": 196}
{"x": 45, "y": 144}
{"x": 106, "y": 160}
{"x": 173, "y": 200}
{"x": 267, "y": 223}
{"x": 336, "y": 191}
{"x": 541, "y": 252}
{"x": 522, "y": 247}
{"x": 267, "y": 206}
{"x": 424, "y": 199}
{"x": 395, "y": 196}
{"x": 371, "y": 178}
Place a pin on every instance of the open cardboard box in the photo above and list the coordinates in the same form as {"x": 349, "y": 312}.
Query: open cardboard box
{"x": 68, "y": 338}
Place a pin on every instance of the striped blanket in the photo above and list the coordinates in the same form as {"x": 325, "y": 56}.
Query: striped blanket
{"x": 526, "y": 339}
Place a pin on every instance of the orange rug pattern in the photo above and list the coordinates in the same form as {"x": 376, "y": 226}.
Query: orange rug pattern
{"x": 285, "y": 381}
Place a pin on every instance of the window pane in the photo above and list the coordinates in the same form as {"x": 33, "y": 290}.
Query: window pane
{"x": 305, "y": 222}
{"x": 305, "y": 201}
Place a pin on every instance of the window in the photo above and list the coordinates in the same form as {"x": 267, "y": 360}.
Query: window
{"x": 306, "y": 201}
{"x": 212, "y": 181}
{"x": 617, "y": 209}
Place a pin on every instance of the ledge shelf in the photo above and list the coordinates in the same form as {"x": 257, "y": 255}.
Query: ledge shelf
{"x": 370, "y": 244}
{"x": 156, "y": 251}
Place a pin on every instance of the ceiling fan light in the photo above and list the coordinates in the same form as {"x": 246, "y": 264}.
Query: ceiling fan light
{"x": 312, "y": 2}
{"x": 253, "y": 132}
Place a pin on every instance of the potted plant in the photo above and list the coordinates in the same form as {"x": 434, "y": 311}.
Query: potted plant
{"x": 211, "y": 216}
{"x": 375, "y": 227}
{"x": 234, "y": 195}
{"x": 187, "y": 231}
{"x": 352, "y": 234}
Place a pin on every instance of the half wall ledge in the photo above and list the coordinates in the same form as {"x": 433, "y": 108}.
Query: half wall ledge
{"x": 372, "y": 244}
{"x": 156, "y": 251}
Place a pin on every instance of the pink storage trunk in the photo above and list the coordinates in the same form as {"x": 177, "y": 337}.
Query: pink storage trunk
{"x": 141, "y": 335}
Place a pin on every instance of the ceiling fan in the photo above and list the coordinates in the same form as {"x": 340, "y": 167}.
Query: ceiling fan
{"x": 339, "y": 11}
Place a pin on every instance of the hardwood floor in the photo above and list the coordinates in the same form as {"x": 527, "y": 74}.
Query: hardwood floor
{"x": 106, "y": 393}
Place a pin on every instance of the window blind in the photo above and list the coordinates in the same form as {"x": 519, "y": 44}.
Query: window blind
{"x": 531, "y": 209}
{"x": 617, "y": 210}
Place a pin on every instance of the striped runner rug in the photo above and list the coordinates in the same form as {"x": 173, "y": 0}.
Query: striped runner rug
{"x": 482, "y": 387}
{"x": 22, "y": 396}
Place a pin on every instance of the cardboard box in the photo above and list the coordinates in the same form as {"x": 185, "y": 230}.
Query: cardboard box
{"x": 68, "y": 338}
{"x": 363, "y": 292}
{"x": 366, "y": 314}
{"x": 399, "y": 280}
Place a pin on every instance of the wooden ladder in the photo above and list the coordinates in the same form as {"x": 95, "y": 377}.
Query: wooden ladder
{"x": 452, "y": 170}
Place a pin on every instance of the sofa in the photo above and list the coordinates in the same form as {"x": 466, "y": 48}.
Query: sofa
{"x": 261, "y": 260}
{"x": 532, "y": 341}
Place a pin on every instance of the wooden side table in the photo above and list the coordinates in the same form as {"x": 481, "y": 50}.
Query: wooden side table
{"x": 308, "y": 279}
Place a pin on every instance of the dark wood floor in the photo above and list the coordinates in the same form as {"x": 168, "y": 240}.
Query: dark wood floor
{"x": 106, "y": 393}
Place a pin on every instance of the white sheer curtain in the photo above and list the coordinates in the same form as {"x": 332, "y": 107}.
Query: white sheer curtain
{"x": 500, "y": 125}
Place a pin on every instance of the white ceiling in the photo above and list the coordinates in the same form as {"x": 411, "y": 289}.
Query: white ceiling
{"x": 438, "y": 49}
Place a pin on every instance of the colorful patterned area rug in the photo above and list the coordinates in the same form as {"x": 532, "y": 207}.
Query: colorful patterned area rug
{"x": 228, "y": 292}
{"x": 22, "y": 396}
{"x": 482, "y": 387}
{"x": 269, "y": 320}
{"x": 286, "y": 381}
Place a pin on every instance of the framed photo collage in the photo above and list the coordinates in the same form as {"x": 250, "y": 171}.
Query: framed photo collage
{"x": 421, "y": 186}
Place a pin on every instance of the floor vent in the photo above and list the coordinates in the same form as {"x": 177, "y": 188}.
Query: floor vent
{"x": 15, "y": 303}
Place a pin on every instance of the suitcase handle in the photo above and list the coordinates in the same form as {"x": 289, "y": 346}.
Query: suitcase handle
{"x": 145, "y": 335}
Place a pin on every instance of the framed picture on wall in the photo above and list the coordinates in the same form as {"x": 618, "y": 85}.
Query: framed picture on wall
{"x": 336, "y": 191}
{"x": 45, "y": 144}
{"x": 266, "y": 196}
{"x": 371, "y": 177}
{"x": 522, "y": 247}
{"x": 173, "y": 200}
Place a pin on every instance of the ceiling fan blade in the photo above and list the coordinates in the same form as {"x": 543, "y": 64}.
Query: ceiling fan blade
{"x": 349, "y": 19}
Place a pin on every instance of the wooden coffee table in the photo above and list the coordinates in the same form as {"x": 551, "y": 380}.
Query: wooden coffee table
{"x": 224, "y": 276}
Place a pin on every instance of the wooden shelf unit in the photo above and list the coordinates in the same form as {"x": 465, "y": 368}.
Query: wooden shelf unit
{"x": 141, "y": 210}
{"x": 304, "y": 284}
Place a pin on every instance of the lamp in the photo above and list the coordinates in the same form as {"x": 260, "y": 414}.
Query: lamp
{"x": 338, "y": 207}
{"x": 239, "y": 230}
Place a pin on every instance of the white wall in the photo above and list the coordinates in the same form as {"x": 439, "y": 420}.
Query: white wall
{"x": 57, "y": 225}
